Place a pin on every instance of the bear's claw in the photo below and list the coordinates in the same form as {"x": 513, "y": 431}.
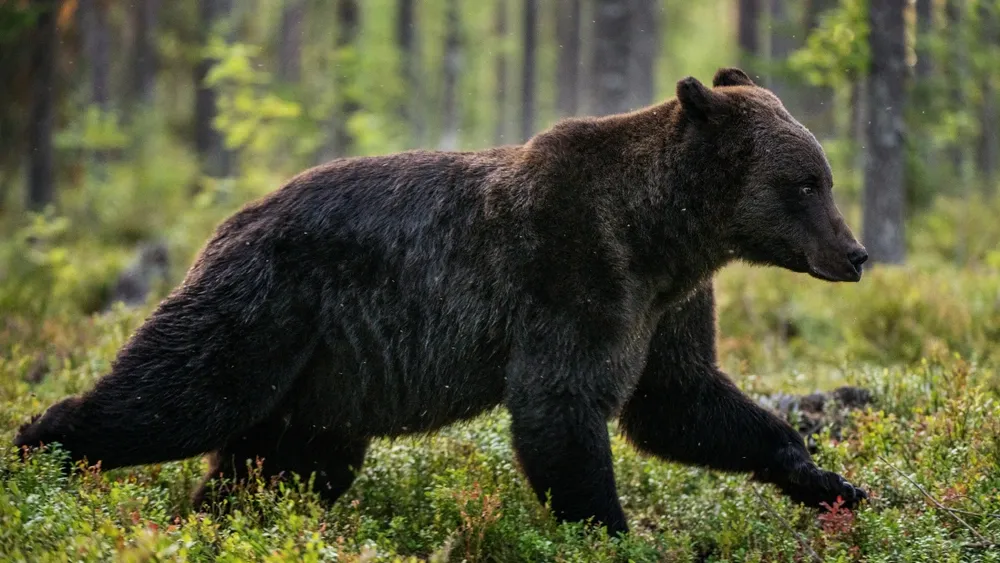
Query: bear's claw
{"x": 816, "y": 487}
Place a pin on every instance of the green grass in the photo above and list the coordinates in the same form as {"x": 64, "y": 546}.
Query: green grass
{"x": 924, "y": 340}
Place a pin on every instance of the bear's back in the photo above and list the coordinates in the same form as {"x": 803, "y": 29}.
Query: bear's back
{"x": 410, "y": 257}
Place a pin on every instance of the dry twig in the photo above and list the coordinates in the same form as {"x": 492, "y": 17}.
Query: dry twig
{"x": 982, "y": 539}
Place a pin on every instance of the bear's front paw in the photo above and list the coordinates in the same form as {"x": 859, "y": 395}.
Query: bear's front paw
{"x": 813, "y": 486}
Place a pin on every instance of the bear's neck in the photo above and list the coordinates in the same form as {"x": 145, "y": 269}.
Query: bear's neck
{"x": 646, "y": 190}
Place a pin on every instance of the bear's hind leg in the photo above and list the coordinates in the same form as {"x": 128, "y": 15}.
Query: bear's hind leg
{"x": 569, "y": 458}
{"x": 192, "y": 377}
{"x": 560, "y": 432}
{"x": 283, "y": 449}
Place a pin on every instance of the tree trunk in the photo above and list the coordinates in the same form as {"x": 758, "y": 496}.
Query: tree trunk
{"x": 452, "y": 67}
{"x": 530, "y": 30}
{"x": 97, "y": 52}
{"x": 989, "y": 136}
{"x": 922, "y": 100}
{"x": 884, "y": 188}
{"x": 818, "y": 100}
{"x": 216, "y": 159}
{"x": 925, "y": 29}
{"x": 856, "y": 128}
{"x": 409, "y": 57}
{"x": 500, "y": 136}
{"x": 145, "y": 14}
{"x": 859, "y": 111}
{"x": 645, "y": 15}
{"x": 568, "y": 63}
{"x": 41, "y": 176}
{"x": 957, "y": 75}
{"x": 749, "y": 36}
{"x": 784, "y": 40}
{"x": 95, "y": 32}
{"x": 612, "y": 26}
{"x": 923, "y": 91}
{"x": 292, "y": 28}
{"x": 348, "y": 27}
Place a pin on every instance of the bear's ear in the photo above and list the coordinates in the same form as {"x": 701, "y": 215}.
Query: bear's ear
{"x": 698, "y": 101}
{"x": 731, "y": 77}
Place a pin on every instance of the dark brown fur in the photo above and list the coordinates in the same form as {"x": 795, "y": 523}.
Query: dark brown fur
{"x": 568, "y": 279}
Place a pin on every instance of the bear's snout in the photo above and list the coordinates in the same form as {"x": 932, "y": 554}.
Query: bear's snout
{"x": 839, "y": 264}
{"x": 858, "y": 257}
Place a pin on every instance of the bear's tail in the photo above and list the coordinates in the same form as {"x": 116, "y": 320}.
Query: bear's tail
{"x": 207, "y": 365}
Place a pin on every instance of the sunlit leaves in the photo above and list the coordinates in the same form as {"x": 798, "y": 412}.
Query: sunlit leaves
{"x": 837, "y": 51}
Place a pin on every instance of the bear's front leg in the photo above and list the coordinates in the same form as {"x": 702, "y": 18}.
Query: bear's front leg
{"x": 561, "y": 437}
{"x": 710, "y": 422}
{"x": 685, "y": 409}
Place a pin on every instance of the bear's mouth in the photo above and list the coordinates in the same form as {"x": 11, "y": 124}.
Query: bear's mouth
{"x": 854, "y": 275}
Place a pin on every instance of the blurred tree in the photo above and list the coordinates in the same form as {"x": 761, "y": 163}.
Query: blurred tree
{"x": 925, "y": 110}
{"x": 409, "y": 56}
{"x": 989, "y": 120}
{"x": 645, "y": 17}
{"x": 290, "y": 33}
{"x": 529, "y": 50}
{"x": 452, "y": 67}
{"x": 818, "y": 101}
{"x": 859, "y": 112}
{"x": 216, "y": 159}
{"x": 612, "y": 23}
{"x": 41, "y": 176}
{"x": 815, "y": 11}
{"x": 145, "y": 60}
{"x": 749, "y": 36}
{"x": 502, "y": 80}
{"x": 925, "y": 28}
{"x": 95, "y": 34}
{"x": 956, "y": 74}
{"x": 884, "y": 188}
{"x": 568, "y": 62}
{"x": 785, "y": 38}
{"x": 348, "y": 28}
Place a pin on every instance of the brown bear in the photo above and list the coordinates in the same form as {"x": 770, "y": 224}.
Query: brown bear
{"x": 568, "y": 279}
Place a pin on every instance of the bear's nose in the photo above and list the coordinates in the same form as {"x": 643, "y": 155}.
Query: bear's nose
{"x": 858, "y": 257}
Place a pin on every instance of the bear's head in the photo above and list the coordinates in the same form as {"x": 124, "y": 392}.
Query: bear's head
{"x": 779, "y": 184}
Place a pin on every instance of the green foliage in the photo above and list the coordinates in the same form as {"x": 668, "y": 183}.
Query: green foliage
{"x": 96, "y": 130}
{"x": 961, "y": 230}
{"x": 41, "y": 276}
{"x": 253, "y": 117}
{"x": 837, "y": 51}
{"x": 16, "y": 18}
{"x": 897, "y": 315}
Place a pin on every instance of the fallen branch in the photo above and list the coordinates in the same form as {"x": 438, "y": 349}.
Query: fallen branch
{"x": 982, "y": 539}
{"x": 971, "y": 513}
{"x": 975, "y": 501}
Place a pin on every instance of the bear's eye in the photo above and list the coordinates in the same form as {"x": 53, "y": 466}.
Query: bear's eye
{"x": 807, "y": 191}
